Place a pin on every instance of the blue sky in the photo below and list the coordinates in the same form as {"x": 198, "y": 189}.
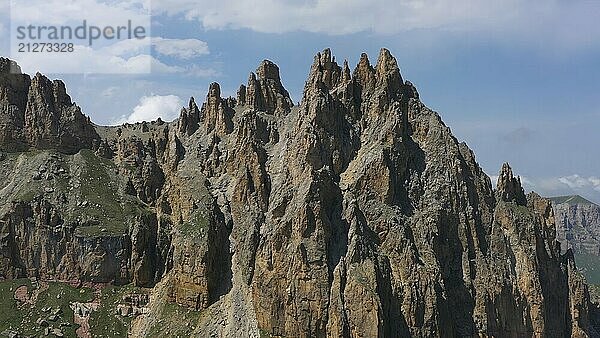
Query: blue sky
{"x": 518, "y": 81}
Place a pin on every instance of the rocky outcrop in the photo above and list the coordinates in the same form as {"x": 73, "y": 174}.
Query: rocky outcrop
{"x": 355, "y": 214}
{"x": 38, "y": 113}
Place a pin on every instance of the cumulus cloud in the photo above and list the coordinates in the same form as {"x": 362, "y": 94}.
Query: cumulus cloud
{"x": 152, "y": 107}
{"x": 556, "y": 22}
{"x": 89, "y": 55}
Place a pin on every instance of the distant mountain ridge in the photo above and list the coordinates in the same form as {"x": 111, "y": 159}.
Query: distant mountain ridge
{"x": 571, "y": 199}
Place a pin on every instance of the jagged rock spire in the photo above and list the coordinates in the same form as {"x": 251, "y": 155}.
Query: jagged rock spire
{"x": 381, "y": 87}
{"x": 509, "y": 188}
{"x": 60, "y": 93}
{"x": 264, "y": 91}
{"x": 388, "y": 73}
{"x": 241, "y": 95}
{"x": 346, "y": 76}
{"x": 364, "y": 74}
{"x": 14, "y": 90}
{"x": 216, "y": 113}
{"x": 189, "y": 118}
{"x": 324, "y": 71}
{"x": 252, "y": 94}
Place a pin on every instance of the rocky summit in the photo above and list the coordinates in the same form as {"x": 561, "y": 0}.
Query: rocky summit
{"x": 356, "y": 213}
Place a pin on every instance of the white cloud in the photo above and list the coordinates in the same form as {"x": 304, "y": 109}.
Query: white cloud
{"x": 547, "y": 23}
{"x": 84, "y": 18}
{"x": 152, "y": 107}
{"x": 578, "y": 182}
{"x": 125, "y": 56}
{"x": 180, "y": 48}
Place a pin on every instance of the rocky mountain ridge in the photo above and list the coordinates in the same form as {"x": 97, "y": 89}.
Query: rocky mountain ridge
{"x": 356, "y": 213}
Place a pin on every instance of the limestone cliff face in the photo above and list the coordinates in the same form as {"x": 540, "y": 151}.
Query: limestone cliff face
{"x": 355, "y": 214}
{"x": 578, "y": 224}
